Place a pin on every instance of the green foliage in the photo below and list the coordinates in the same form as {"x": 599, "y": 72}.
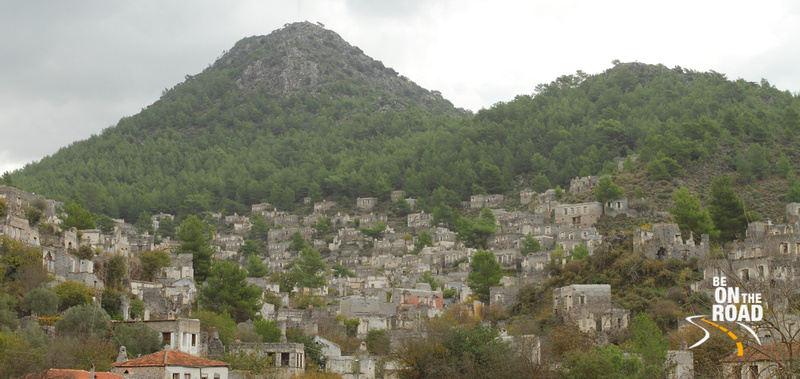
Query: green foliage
{"x": 423, "y": 239}
{"x": 210, "y": 145}
{"x": 256, "y": 268}
{"x": 166, "y": 228}
{"x": 687, "y": 214}
{"x": 195, "y": 237}
{"x": 86, "y": 320}
{"x": 249, "y": 249}
{"x": 33, "y": 215}
{"x": 3, "y": 208}
{"x": 41, "y": 301}
{"x": 308, "y": 269}
{"x": 529, "y": 244}
{"x": 462, "y": 352}
{"x": 106, "y": 224}
{"x": 223, "y": 323}
{"x": 340, "y": 271}
{"x": 137, "y": 308}
{"x": 75, "y": 216}
{"x": 8, "y": 316}
{"x": 18, "y": 357}
{"x": 226, "y": 290}
{"x": 313, "y": 351}
{"x": 486, "y": 273}
{"x": 259, "y": 229}
{"x": 664, "y": 169}
{"x": 376, "y": 231}
{"x": 351, "y": 326}
{"x": 298, "y": 243}
{"x": 580, "y": 252}
{"x": 426, "y": 277}
{"x": 72, "y": 294}
{"x": 84, "y": 252}
{"x": 14, "y": 256}
{"x": 144, "y": 224}
{"x": 649, "y": 343}
{"x": 138, "y": 338}
{"x": 476, "y": 233}
{"x": 324, "y": 225}
{"x": 606, "y": 190}
{"x": 253, "y": 363}
{"x": 540, "y": 183}
{"x": 111, "y": 302}
{"x": 727, "y": 210}
{"x": 116, "y": 268}
{"x": 793, "y": 195}
{"x": 401, "y": 207}
{"x": 152, "y": 262}
{"x": 378, "y": 342}
{"x": 268, "y": 330}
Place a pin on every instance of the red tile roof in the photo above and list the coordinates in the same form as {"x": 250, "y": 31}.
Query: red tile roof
{"x": 70, "y": 374}
{"x": 767, "y": 352}
{"x": 170, "y": 358}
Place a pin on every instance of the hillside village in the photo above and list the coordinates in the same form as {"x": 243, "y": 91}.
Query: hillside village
{"x": 388, "y": 287}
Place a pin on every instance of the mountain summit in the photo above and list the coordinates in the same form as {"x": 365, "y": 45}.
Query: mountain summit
{"x": 305, "y": 58}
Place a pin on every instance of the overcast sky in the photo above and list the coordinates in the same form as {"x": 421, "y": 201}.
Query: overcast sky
{"x": 70, "y": 69}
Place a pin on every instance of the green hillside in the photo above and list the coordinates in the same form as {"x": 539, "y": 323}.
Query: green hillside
{"x": 300, "y": 112}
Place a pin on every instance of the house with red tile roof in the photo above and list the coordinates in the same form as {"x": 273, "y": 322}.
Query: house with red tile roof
{"x": 171, "y": 364}
{"x": 55, "y": 373}
{"x": 765, "y": 361}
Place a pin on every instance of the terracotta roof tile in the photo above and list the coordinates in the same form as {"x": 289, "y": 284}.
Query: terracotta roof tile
{"x": 766, "y": 352}
{"x": 70, "y": 374}
{"x": 170, "y": 358}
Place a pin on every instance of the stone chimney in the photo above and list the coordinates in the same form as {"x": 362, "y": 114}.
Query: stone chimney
{"x": 123, "y": 355}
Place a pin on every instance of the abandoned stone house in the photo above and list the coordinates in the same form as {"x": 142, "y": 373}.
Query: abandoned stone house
{"x": 444, "y": 237}
{"x": 162, "y": 299}
{"x": 285, "y": 219}
{"x": 504, "y": 240}
{"x": 323, "y": 206}
{"x": 578, "y": 186}
{"x": 66, "y": 267}
{"x": 417, "y": 297}
{"x": 503, "y": 296}
{"x": 480, "y": 201}
{"x": 616, "y": 207}
{"x": 620, "y": 161}
{"x": 663, "y": 241}
{"x": 157, "y": 218}
{"x": 508, "y": 258}
{"x": 348, "y": 367}
{"x": 545, "y": 210}
{"x": 526, "y": 196}
{"x": 583, "y": 214}
{"x": 228, "y": 242}
{"x": 366, "y": 203}
{"x": 370, "y": 220}
{"x": 589, "y": 307}
{"x": 350, "y": 234}
{"x": 534, "y": 268}
{"x": 181, "y": 334}
{"x": 397, "y": 195}
{"x": 19, "y": 229}
{"x": 169, "y": 364}
{"x": 290, "y": 357}
{"x": 285, "y": 234}
{"x": 261, "y": 207}
{"x": 419, "y": 220}
{"x": 388, "y": 246}
{"x": 793, "y": 212}
{"x": 115, "y": 243}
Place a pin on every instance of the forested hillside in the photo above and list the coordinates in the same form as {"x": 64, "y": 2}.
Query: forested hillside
{"x": 302, "y": 113}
